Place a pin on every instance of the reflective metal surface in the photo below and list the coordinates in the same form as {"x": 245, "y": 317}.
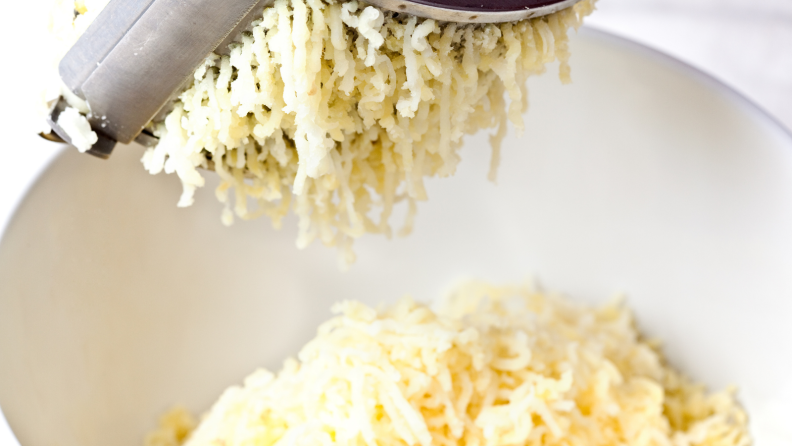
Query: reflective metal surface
{"x": 474, "y": 12}
{"x": 137, "y": 53}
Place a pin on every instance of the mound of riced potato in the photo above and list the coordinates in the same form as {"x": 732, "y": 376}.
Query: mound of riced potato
{"x": 340, "y": 110}
{"x": 493, "y": 366}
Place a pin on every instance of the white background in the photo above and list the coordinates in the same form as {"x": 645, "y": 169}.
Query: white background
{"x": 745, "y": 43}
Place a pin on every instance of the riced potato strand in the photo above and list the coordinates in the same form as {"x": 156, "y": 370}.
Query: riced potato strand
{"x": 493, "y": 366}
{"x": 339, "y": 111}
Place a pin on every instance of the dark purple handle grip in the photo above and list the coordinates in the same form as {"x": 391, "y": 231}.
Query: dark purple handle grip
{"x": 487, "y": 5}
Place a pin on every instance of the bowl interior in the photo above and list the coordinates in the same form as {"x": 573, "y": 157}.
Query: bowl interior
{"x": 643, "y": 177}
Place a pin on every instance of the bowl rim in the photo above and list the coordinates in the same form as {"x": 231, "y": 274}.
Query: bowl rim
{"x": 689, "y": 68}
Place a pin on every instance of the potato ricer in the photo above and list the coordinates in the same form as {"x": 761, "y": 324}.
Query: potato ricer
{"x": 138, "y": 55}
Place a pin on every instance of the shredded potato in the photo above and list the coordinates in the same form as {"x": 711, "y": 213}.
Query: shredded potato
{"x": 78, "y": 129}
{"x": 339, "y": 110}
{"x": 493, "y": 366}
{"x": 174, "y": 428}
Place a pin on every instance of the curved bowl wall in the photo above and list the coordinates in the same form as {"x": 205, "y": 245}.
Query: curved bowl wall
{"x": 643, "y": 177}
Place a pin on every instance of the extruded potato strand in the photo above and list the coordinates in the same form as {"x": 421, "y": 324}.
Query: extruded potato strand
{"x": 493, "y": 366}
